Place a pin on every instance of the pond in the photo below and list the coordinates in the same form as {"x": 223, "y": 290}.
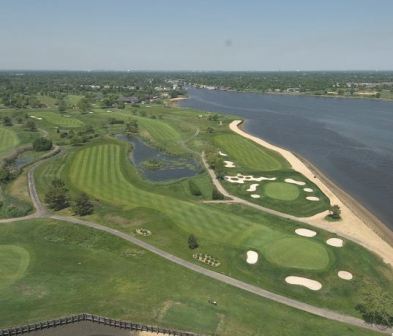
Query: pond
{"x": 158, "y": 166}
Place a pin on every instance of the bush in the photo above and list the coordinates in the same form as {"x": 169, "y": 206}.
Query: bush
{"x": 216, "y": 195}
{"x": 57, "y": 195}
{"x": 194, "y": 189}
{"x": 192, "y": 242}
{"x": 42, "y": 144}
{"x": 82, "y": 205}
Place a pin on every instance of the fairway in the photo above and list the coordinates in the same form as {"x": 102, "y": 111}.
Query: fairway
{"x": 59, "y": 120}
{"x": 281, "y": 191}
{"x": 297, "y": 253}
{"x": 249, "y": 155}
{"x": 8, "y": 139}
{"x": 14, "y": 261}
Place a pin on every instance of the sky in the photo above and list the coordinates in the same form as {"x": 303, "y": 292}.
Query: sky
{"x": 242, "y": 35}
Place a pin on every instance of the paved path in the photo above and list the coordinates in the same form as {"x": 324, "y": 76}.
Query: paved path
{"x": 41, "y": 212}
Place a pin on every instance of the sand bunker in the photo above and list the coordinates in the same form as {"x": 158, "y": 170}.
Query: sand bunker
{"x": 312, "y": 198}
{"x": 289, "y": 180}
{"x": 345, "y": 275}
{"x": 308, "y": 283}
{"x": 239, "y": 178}
{"x": 229, "y": 164}
{"x": 253, "y": 187}
{"x": 252, "y": 257}
{"x": 255, "y": 196}
{"x": 305, "y": 232}
{"x": 34, "y": 117}
{"x": 308, "y": 190}
{"x": 336, "y": 242}
{"x": 222, "y": 154}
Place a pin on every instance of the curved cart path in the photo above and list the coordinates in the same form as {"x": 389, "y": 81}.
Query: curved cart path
{"x": 41, "y": 212}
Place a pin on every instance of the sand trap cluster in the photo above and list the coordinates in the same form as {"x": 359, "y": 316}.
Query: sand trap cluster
{"x": 255, "y": 196}
{"x": 252, "y": 257}
{"x": 289, "y": 180}
{"x": 229, "y": 164}
{"x": 305, "y": 232}
{"x": 143, "y": 232}
{"x": 253, "y": 187}
{"x": 336, "y": 242}
{"x": 345, "y": 275}
{"x": 308, "y": 190}
{"x": 222, "y": 154}
{"x": 300, "y": 281}
{"x": 312, "y": 198}
{"x": 239, "y": 178}
{"x": 34, "y": 117}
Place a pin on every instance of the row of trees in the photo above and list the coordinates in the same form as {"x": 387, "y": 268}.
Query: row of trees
{"x": 58, "y": 198}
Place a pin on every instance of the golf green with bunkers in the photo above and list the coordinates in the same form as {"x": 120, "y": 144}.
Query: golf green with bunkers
{"x": 59, "y": 120}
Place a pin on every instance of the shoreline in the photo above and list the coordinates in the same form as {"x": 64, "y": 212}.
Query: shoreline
{"x": 357, "y": 224}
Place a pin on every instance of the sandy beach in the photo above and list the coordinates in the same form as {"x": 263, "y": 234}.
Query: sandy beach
{"x": 357, "y": 224}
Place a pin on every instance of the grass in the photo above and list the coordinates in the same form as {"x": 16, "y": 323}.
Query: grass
{"x": 58, "y": 119}
{"x": 8, "y": 140}
{"x": 90, "y": 271}
{"x": 281, "y": 191}
{"x": 14, "y": 261}
{"x": 247, "y": 154}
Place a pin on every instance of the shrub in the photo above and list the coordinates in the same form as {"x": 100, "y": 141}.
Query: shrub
{"x": 82, "y": 205}
{"x": 194, "y": 189}
{"x": 216, "y": 195}
{"x": 42, "y": 144}
{"x": 192, "y": 242}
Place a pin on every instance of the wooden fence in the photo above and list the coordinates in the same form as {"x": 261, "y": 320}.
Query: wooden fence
{"x": 91, "y": 318}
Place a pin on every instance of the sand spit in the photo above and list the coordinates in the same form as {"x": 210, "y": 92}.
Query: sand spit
{"x": 253, "y": 187}
{"x": 353, "y": 225}
{"x": 305, "y": 232}
{"x": 336, "y": 242}
{"x": 300, "y": 281}
{"x": 300, "y": 183}
{"x": 252, "y": 257}
{"x": 345, "y": 275}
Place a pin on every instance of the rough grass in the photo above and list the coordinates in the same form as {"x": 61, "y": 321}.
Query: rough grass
{"x": 281, "y": 191}
{"x": 8, "y": 140}
{"x": 90, "y": 271}
{"x": 59, "y": 120}
{"x": 247, "y": 154}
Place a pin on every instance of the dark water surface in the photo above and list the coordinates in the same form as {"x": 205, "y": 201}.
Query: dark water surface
{"x": 349, "y": 140}
{"x": 172, "y": 167}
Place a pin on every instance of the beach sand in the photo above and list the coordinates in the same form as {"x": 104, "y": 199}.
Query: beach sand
{"x": 357, "y": 223}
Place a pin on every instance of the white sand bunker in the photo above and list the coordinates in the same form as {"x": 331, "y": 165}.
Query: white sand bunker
{"x": 255, "y": 196}
{"x": 253, "y": 187}
{"x": 312, "y": 198}
{"x": 308, "y": 190}
{"x": 305, "y": 232}
{"x": 336, "y": 242}
{"x": 289, "y": 180}
{"x": 34, "y": 117}
{"x": 240, "y": 178}
{"x": 345, "y": 275}
{"x": 229, "y": 164}
{"x": 300, "y": 281}
{"x": 252, "y": 257}
{"x": 222, "y": 154}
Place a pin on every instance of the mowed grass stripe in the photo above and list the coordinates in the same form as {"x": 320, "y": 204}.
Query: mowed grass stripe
{"x": 8, "y": 140}
{"x": 247, "y": 154}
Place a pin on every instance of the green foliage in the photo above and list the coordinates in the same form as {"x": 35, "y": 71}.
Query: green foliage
{"x": 30, "y": 125}
{"x": 82, "y": 205}
{"x": 194, "y": 189}
{"x": 132, "y": 127}
{"x": 7, "y": 121}
{"x": 61, "y": 105}
{"x": 216, "y": 195}
{"x": 42, "y": 144}
{"x": 83, "y": 105}
{"x": 192, "y": 242}
{"x": 57, "y": 196}
{"x": 6, "y": 174}
{"x": 335, "y": 212}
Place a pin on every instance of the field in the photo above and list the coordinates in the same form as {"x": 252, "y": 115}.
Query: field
{"x": 8, "y": 140}
{"x": 58, "y": 119}
{"x": 89, "y": 271}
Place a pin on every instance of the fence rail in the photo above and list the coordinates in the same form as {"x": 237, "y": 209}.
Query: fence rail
{"x": 91, "y": 318}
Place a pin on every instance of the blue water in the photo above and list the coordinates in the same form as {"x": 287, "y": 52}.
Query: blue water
{"x": 349, "y": 140}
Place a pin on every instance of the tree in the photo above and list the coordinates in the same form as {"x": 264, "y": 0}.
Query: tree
{"x": 30, "y": 126}
{"x": 132, "y": 127}
{"x": 219, "y": 168}
{"x": 192, "y": 242}
{"x": 57, "y": 196}
{"x": 82, "y": 205}
{"x": 376, "y": 306}
{"x": 83, "y": 105}
{"x": 5, "y": 174}
{"x": 42, "y": 144}
{"x": 335, "y": 212}
{"x": 7, "y": 121}
{"x": 216, "y": 195}
{"x": 61, "y": 105}
{"x": 194, "y": 189}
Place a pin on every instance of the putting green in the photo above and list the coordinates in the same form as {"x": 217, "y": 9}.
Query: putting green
{"x": 281, "y": 191}
{"x": 297, "y": 253}
{"x": 13, "y": 264}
